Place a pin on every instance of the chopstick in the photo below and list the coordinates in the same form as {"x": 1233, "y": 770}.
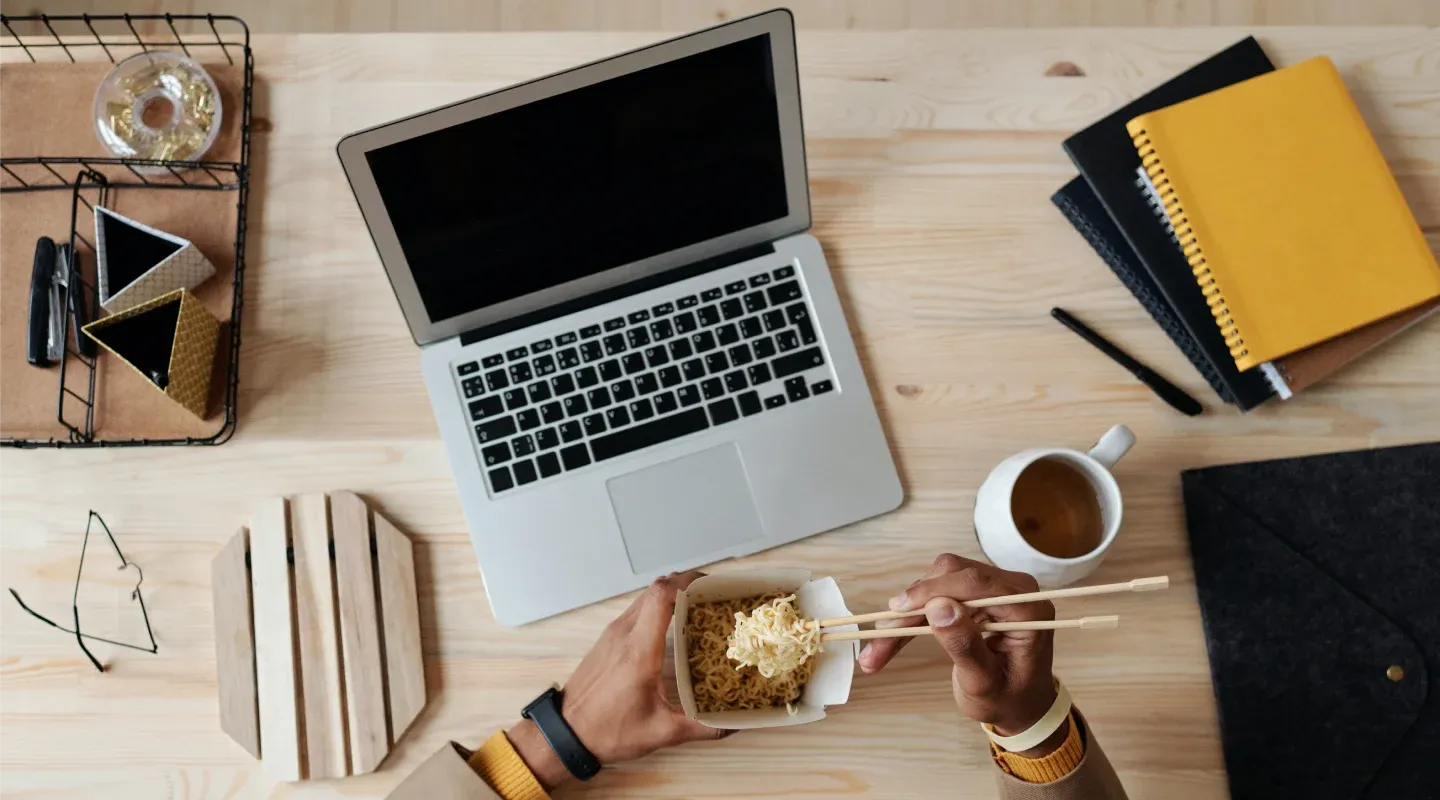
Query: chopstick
{"x": 1136, "y": 585}
{"x": 1086, "y": 623}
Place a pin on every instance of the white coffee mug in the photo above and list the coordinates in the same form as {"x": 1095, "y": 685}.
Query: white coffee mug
{"x": 1001, "y": 539}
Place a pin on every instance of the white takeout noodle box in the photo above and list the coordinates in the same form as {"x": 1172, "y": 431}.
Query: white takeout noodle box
{"x": 816, "y": 599}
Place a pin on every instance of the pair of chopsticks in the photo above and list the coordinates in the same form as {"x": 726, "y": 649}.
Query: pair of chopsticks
{"x": 1084, "y": 623}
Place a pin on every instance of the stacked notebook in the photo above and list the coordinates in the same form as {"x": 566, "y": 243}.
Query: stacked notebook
{"x": 1251, "y": 213}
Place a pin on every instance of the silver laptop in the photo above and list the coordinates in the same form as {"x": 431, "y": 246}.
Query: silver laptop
{"x": 634, "y": 350}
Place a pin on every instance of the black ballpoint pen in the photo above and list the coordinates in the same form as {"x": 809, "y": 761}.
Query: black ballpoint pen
{"x": 1166, "y": 390}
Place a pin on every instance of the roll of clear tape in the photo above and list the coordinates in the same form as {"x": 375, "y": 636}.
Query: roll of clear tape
{"x": 158, "y": 105}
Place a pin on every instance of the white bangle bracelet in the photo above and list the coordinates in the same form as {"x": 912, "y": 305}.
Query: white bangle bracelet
{"x": 1040, "y": 731}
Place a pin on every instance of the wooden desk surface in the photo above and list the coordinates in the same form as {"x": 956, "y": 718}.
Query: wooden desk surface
{"x": 932, "y": 157}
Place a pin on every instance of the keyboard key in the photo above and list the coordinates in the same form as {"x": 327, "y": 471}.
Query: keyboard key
{"x": 685, "y": 322}
{"x": 662, "y": 309}
{"x": 787, "y": 340}
{"x": 775, "y": 402}
{"x": 688, "y": 395}
{"x": 591, "y": 351}
{"x": 539, "y": 391}
{"x": 680, "y": 348}
{"x": 642, "y": 436}
{"x": 783, "y": 292}
{"x": 544, "y": 365}
{"x": 712, "y": 388}
{"x": 821, "y": 387}
{"x": 723, "y": 411}
{"x": 633, "y": 363}
{"x": 703, "y": 341}
{"x": 520, "y": 373}
{"x": 785, "y": 366}
{"x": 661, "y": 330}
{"x": 469, "y": 368}
{"x": 515, "y": 398}
{"x": 646, "y": 384}
{"x": 516, "y": 353}
{"x": 669, "y": 376}
{"x": 569, "y": 358}
{"x": 735, "y": 287}
{"x": 727, "y": 334}
{"x": 587, "y": 377}
{"x": 562, "y": 384}
{"x": 541, "y": 346}
{"x": 784, "y": 272}
{"x": 590, "y": 331}
{"x": 759, "y": 280}
{"x": 711, "y": 294}
{"x": 565, "y": 338}
{"x": 763, "y": 347}
{"x": 796, "y": 389}
{"x": 665, "y": 402}
{"x": 547, "y": 438}
{"x": 716, "y": 363}
{"x": 492, "y": 361}
{"x": 656, "y": 357}
{"x": 599, "y": 398}
{"x": 575, "y": 405}
{"x": 486, "y": 407}
{"x": 549, "y": 465}
{"x": 750, "y": 327}
{"x": 575, "y": 457}
{"x": 618, "y": 416}
{"x": 774, "y": 320}
{"x": 614, "y": 324}
{"x": 524, "y": 472}
{"x": 638, "y": 317}
{"x": 740, "y": 355}
{"x": 637, "y": 337}
{"x": 688, "y": 301}
{"x": 731, "y": 309}
{"x": 570, "y": 431}
{"x": 610, "y": 370}
{"x": 807, "y": 331}
{"x": 755, "y": 302}
{"x": 473, "y": 387}
{"x": 622, "y": 391}
{"x": 709, "y": 315}
{"x": 492, "y": 431}
{"x": 797, "y": 312}
{"x": 496, "y": 454}
{"x": 529, "y": 419}
{"x": 759, "y": 374}
{"x": 500, "y": 480}
{"x": 694, "y": 369}
{"x": 594, "y": 425}
{"x": 551, "y": 413}
{"x": 750, "y": 403}
{"x": 495, "y": 381}
{"x": 641, "y": 410}
{"x": 735, "y": 381}
{"x": 524, "y": 445}
{"x": 614, "y": 344}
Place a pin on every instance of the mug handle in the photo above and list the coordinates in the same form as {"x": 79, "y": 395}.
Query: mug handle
{"x": 1113, "y": 446}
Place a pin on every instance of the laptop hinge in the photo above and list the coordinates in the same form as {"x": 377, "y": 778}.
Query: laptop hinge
{"x": 617, "y": 292}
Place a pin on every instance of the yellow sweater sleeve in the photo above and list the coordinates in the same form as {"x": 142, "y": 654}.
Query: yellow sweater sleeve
{"x": 1048, "y": 768}
{"x": 501, "y": 767}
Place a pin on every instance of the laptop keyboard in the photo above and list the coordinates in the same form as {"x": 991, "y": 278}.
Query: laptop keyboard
{"x": 698, "y": 361}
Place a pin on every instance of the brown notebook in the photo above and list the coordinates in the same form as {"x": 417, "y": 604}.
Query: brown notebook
{"x": 1299, "y": 371}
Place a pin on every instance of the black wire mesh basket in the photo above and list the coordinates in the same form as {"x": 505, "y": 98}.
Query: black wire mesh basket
{"x": 91, "y": 181}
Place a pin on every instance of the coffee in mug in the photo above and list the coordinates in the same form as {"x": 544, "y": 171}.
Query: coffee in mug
{"x": 1057, "y": 509}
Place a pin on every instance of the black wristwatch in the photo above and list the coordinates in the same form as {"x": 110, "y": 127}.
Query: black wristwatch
{"x": 544, "y": 711}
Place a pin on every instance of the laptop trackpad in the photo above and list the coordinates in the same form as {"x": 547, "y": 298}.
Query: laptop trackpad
{"x": 680, "y": 509}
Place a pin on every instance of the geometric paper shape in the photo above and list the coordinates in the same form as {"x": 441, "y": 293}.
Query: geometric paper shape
{"x": 136, "y": 263}
{"x": 338, "y": 684}
{"x": 171, "y": 341}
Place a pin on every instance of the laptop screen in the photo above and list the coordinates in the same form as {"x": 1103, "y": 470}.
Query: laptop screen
{"x": 587, "y": 180}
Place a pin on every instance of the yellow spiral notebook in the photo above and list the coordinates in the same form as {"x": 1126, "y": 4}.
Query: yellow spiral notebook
{"x": 1286, "y": 210}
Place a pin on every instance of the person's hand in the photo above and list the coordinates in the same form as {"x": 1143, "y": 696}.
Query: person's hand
{"x": 1004, "y": 679}
{"x": 614, "y": 701}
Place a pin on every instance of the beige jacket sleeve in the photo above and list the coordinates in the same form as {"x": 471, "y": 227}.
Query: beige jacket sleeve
{"x": 1092, "y": 779}
{"x": 445, "y": 776}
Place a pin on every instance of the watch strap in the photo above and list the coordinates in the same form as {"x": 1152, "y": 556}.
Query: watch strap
{"x": 544, "y": 711}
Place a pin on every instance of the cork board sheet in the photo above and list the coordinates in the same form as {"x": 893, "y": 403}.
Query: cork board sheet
{"x": 47, "y": 113}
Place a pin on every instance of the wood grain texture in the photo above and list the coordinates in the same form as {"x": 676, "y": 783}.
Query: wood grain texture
{"x": 400, "y": 618}
{"x": 932, "y": 155}
{"x": 235, "y": 644}
{"x": 317, "y": 622}
{"x": 359, "y": 633}
{"x": 275, "y": 667}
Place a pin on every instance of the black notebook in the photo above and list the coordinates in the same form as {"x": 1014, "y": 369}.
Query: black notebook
{"x": 1077, "y": 201}
{"x": 1107, "y": 158}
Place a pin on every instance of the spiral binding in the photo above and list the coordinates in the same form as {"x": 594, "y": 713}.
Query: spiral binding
{"x": 1190, "y": 246}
